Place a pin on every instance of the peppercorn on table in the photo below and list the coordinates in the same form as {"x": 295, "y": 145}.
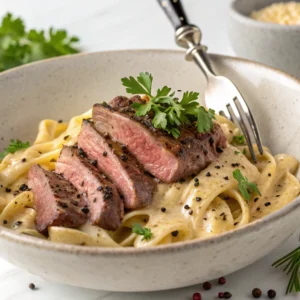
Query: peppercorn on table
{"x": 98, "y": 24}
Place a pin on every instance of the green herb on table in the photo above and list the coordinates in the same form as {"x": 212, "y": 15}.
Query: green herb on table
{"x": 245, "y": 187}
{"x": 19, "y": 46}
{"x": 146, "y": 232}
{"x": 292, "y": 265}
{"x": 14, "y": 146}
{"x": 169, "y": 113}
{"x": 238, "y": 140}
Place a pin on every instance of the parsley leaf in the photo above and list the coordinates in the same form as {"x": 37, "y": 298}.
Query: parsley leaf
{"x": 13, "y": 147}
{"x": 146, "y": 232}
{"x": 142, "y": 85}
{"x": 168, "y": 112}
{"x": 237, "y": 152}
{"x": 244, "y": 185}
{"x": 238, "y": 140}
{"x": 204, "y": 119}
{"x": 244, "y": 151}
{"x": 19, "y": 46}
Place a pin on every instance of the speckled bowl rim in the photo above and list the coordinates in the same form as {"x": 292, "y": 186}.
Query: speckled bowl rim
{"x": 234, "y": 13}
{"x": 21, "y": 239}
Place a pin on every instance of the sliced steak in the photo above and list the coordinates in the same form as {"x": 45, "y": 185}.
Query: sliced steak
{"x": 104, "y": 203}
{"x": 56, "y": 200}
{"x": 166, "y": 158}
{"x": 119, "y": 165}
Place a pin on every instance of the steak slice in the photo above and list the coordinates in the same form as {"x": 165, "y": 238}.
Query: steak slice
{"x": 119, "y": 165}
{"x": 104, "y": 203}
{"x": 56, "y": 200}
{"x": 166, "y": 158}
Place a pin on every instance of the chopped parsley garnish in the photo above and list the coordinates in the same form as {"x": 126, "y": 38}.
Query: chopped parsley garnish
{"x": 19, "y": 46}
{"x": 245, "y": 187}
{"x": 292, "y": 268}
{"x": 237, "y": 152}
{"x": 14, "y": 146}
{"x": 238, "y": 140}
{"x": 146, "y": 232}
{"x": 244, "y": 151}
{"x": 169, "y": 113}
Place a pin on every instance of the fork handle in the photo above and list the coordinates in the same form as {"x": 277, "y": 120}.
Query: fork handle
{"x": 175, "y": 12}
{"x": 187, "y": 36}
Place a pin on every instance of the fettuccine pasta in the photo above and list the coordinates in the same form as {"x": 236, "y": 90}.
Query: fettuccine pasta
{"x": 191, "y": 211}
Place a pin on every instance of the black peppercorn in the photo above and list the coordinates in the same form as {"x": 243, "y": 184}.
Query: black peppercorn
{"x": 207, "y": 285}
{"x": 32, "y": 286}
{"x": 85, "y": 210}
{"x": 186, "y": 207}
{"x": 198, "y": 199}
{"x": 227, "y": 295}
{"x": 163, "y": 209}
{"x": 256, "y": 293}
{"x": 175, "y": 233}
{"x": 124, "y": 157}
{"x": 23, "y": 187}
{"x": 271, "y": 294}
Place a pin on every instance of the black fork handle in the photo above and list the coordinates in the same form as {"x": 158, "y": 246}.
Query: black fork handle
{"x": 175, "y": 12}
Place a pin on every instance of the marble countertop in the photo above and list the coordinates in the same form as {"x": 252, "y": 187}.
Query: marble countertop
{"x": 120, "y": 24}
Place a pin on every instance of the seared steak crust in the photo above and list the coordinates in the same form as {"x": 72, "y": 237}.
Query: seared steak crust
{"x": 164, "y": 157}
{"x": 115, "y": 161}
{"x": 105, "y": 208}
{"x": 57, "y": 201}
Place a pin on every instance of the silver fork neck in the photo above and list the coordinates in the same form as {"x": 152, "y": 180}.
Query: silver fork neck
{"x": 189, "y": 37}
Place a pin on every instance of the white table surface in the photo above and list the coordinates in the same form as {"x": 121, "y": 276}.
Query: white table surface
{"x": 125, "y": 24}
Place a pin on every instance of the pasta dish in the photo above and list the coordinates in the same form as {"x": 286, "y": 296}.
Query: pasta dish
{"x": 127, "y": 175}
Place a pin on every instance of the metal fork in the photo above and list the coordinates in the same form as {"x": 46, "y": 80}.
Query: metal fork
{"x": 221, "y": 94}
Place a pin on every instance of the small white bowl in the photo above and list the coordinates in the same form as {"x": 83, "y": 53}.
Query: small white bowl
{"x": 272, "y": 44}
{"x": 60, "y": 88}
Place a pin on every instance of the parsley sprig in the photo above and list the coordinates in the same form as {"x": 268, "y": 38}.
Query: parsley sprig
{"x": 169, "y": 113}
{"x": 146, "y": 232}
{"x": 245, "y": 187}
{"x": 13, "y": 147}
{"x": 19, "y": 46}
{"x": 292, "y": 268}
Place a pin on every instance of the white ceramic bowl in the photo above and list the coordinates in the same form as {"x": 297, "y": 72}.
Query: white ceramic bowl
{"x": 272, "y": 44}
{"x": 60, "y": 88}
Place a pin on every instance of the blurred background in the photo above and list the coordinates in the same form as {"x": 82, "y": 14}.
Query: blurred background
{"x": 229, "y": 27}
{"x": 119, "y": 24}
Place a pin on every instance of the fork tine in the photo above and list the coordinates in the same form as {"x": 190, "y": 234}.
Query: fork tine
{"x": 244, "y": 108}
{"x": 255, "y": 132}
{"x": 240, "y": 120}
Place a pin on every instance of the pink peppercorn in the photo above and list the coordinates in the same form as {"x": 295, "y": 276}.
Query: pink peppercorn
{"x": 222, "y": 280}
{"x": 197, "y": 296}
